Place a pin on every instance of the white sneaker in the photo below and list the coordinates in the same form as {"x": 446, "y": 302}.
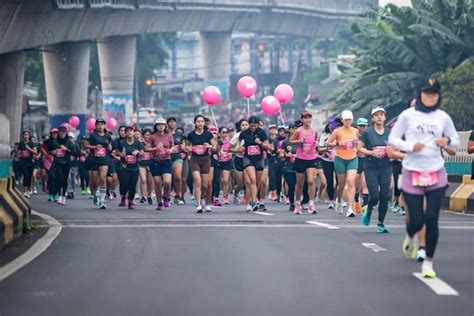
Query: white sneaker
{"x": 421, "y": 255}
{"x": 331, "y": 205}
{"x": 208, "y": 208}
{"x": 35, "y": 191}
{"x": 350, "y": 213}
{"x": 343, "y": 203}
{"x": 427, "y": 269}
{"x": 248, "y": 208}
{"x": 338, "y": 207}
{"x": 180, "y": 202}
{"x": 26, "y": 194}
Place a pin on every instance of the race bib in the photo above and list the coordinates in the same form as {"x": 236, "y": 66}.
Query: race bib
{"x": 308, "y": 149}
{"x": 100, "y": 152}
{"x": 349, "y": 144}
{"x": 424, "y": 179}
{"x": 130, "y": 159}
{"x": 60, "y": 153}
{"x": 331, "y": 155}
{"x": 253, "y": 150}
{"x": 82, "y": 159}
{"x": 25, "y": 153}
{"x": 292, "y": 158}
{"x": 199, "y": 149}
{"x": 183, "y": 156}
{"x": 382, "y": 150}
{"x": 175, "y": 149}
{"x": 162, "y": 154}
{"x": 146, "y": 156}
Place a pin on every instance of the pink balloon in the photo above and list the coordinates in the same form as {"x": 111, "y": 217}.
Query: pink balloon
{"x": 67, "y": 126}
{"x": 270, "y": 105}
{"x": 211, "y": 95}
{"x": 74, "y": 121}
{"x": 111, "y": 124}
{"x": 247, "y": 86}
{"x": 284, "y": 93}
{"x": 90, "y": 124}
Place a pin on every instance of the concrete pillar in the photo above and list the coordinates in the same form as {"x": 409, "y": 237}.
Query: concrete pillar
{"x": 309, "y": 53}
{"x": 291, "y": 48}
{"x": 66, "y": 74}
{"x": 117, "y": 57}
{"x": 216, "y": 53}
{"x": 12, "y": 71}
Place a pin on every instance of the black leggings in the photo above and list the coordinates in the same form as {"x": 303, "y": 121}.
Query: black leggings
{"x": 27, "y": 172}
{"x": 84, "y": 175}
{"x": 397, "y": 171}
{"x": 62, "y": 174}
{"x": 128, "y": 182}
{"x": 378, "y": 183}
{"x": 290, "y": 179}
{"x": 328, "y": 168}
{"x": 216, "y": 182}
{"x": 417, "y": 217}
{"x": 278, "y": 169}
{"x": 271, "y": 175}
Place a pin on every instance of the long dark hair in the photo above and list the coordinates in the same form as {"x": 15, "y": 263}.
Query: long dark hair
{"x": 237, "y": 125}
{"x": 200, "y": 116}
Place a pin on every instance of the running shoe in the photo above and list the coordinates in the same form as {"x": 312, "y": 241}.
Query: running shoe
{"x": 150, "y": 201}
{"x": 273, "y": 196}
{"x": 95, "y": 200}
{"x": 225, "y": 200}
{"x": 208, "y": 209}
{"x": 305, "y": 207}
{"x": 297, "y": 210}
{"x": 114, "y": 195}
{"x": 175, "y": 200}
{"x": 143, "y": 199}
{"x": 83, "y": 192}
{"x": 338, "y": 207}
{"x": 292, "y": 208}
{"x": 137, "y": 196}
{"x": 395, "y": 207}
{"x": 216, "y": 203}
{"x": 166, "y": 202}
{"x": 199, "y": 209}
{"x": 55, "y": 198}
{"x": 35, "y": 191}
{"x": 248, "y": 208}
{"x": 50, "y": 198}
{"x": 122, "y": 202}
{"x": 88, "y": 190}
{"x": 60, "y": 200}
{"x": 254, "y": 206}
{"x": 331, "y": 205}
{"x": 181, "y": 202}
{"x": 427, "y": 270}
{"x": 365, "y": 217}
{"x": 343, "y": 203}
{"x": 409, "y": 248}
{"x": 287, "y": 200}
{"x": 421, "y": 255}
{"x": 402, "y": 211}
{"x": 350, "y": 213}
{"x": 237, "y": 200}
{"x": 381, "y": 229}
{"x": 131, "y": 205}
{"x": 262, "y": 208}
{"x": 26, "y": 194}
{"x": 159, "y": 207}
{"x": 358, "y": 207}
{"x": 312, "y": 209}
{"x": 103, "y": 206}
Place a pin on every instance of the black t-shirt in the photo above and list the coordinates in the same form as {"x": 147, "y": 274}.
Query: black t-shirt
{"x": 62, "y": 156}
{"x": 26, "y": 156}
{"x": 130, "y": 161}
{"x": 372, "y": 139}
{"x": 103, "y": 140}
{"x": 178, "y": 139}
{"x": 252, "y": 149}
{"x": 198, "y": 141}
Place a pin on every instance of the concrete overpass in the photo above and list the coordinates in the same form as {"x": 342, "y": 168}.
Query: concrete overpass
{"x": 63, "y": 29}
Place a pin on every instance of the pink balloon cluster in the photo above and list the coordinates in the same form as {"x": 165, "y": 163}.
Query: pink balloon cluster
{"x": 270, "y": 105}
{"x": 211, "y": 95}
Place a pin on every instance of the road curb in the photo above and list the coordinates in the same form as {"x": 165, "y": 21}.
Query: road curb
{"x": 34, "y": 251}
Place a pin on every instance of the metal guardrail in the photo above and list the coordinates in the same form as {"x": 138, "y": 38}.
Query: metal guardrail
{"x": 461, "y": 152}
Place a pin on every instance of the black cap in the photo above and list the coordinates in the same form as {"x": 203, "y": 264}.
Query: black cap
{"x": 62, "y": 128}
{"x": 254, "y": 120}
{"x": 431, "y": 84}
{"x": 171, "y": 118}
{"x": 100, "y": 121}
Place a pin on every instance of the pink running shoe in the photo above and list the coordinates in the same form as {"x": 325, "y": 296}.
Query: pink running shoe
{"x": 312, "y": 209}
{"x": 225, "y": 200}
{"x": 130, "y": 205}
{"x": 297, "y": 209}
{"x": 216, "y": 203}
{"x": 122, "y": 202}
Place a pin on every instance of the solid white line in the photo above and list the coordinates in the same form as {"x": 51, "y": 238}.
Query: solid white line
{"x": 264, "y": 213}
{"x": 328, "y": 226}
{"x": 437, "y": 285}
{"x": 34, "y": 251}
{"x": 185, "y": 225}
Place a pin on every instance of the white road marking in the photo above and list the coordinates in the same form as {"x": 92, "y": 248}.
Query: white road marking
{"x": 459, "y": 213}
{"x": 186, "y": 226}
{"x": 325, "y": 225}
{"x": 373, "y": 247}
{"x": 437, "y": 285}
{"x": 34, "y": 251}
{"x": 264, "y": 213}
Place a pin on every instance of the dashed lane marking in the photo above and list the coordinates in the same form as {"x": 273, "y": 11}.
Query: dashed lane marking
{"x": 325, "y": 225}
{"x": 264, "y": 213}
{"x": 437, "y": 285}
{"x": 374, "y": 247}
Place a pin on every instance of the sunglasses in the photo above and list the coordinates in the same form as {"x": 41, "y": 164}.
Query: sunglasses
{"x": 223, "y": 132}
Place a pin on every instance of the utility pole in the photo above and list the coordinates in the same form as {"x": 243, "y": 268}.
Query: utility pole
{"x": 96, "y": 92}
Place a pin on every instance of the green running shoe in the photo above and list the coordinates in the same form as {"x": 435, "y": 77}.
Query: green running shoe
{"x": 381, "y": 229}
{"x": 365, "y": 218}
{"x": 409, "y": 248}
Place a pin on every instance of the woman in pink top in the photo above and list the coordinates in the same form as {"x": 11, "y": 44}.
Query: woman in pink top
{"x": 305, "y": 162}
{"x": 161, "y": 144}
{"x": 225, "y": 162}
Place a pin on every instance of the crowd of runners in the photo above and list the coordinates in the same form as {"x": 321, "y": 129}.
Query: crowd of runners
{"x": 400, "y": 167}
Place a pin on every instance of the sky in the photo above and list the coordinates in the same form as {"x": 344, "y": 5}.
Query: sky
{"x": 397, "y": 2}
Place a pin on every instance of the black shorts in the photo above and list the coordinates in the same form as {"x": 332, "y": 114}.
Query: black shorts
{"x": 301, "y": 165}
{"x": 94, "y": 166}
{"x": 112, "y": 169}
{"x": 227, "y": 165}
{"x": 360, "y": 167}
{"x": 257, "y": 164}
{"x": 238, "y": 163}
{"x": 319, "y": 163}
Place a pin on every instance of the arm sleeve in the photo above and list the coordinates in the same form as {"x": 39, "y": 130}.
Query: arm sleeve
{"x": 396, "y": 135}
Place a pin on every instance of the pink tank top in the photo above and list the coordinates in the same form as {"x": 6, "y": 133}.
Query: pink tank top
{"x": 224, "y": 153}
{"x": 307, "y": 150}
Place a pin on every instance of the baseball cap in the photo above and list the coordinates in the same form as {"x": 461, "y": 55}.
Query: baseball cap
{"x": 362, "y": 121}
{"x": 347, "y": 115}
{"x": 431, "y": 84}
{"x": 377, "y": 109}
{"x": 306, "y": 114}
{"x": 160, "y": 120}
{"x": 71, "y": 135}
{"x": 100, "y": 120}
{"x": 53, "y": 130}
{"x": 272, "y": 126}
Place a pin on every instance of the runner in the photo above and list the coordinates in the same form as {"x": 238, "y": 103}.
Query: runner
{"x": 252, "y": 142}
{"x": 62, "y": 150}
{"x": 327, "y": 159}
{"x": 420, "y": 132}
{"x": 48, "y": 163}
{"x": 262, "y": 186}
{"x": 273, "y": 137}
{"x": 15, "y": 159}
{"x": 176, "y": 159}
{"x": 361, "y": 185}
{"x": 100, "y": 144}
{"x": 225, "y": 162}
{"x": 287, "y": 153}
{"x": 185, "y": 170}
{"x": 27, "y": 150}
{"x": 238, "y": 160}
{"x": 36, "y": 166}
{"x": 128, "y": 150}
{"x": 112, "y": 179}
{"x": 74, "y": 163}
{"x": 144, "y": 162}
{"x": 346, "y": 162}
{"x": 161, "y": 145}
{"x": 305, "y": 163}
{"x": 278, "y": 165}
{"x": 83, "y": 168}
{"x": 198, "y": 142}
{"x": 377, "y": 169}
{"x": 213, "y": 188}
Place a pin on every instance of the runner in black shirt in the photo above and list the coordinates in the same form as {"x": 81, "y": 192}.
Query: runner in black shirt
{"x": 26, "y": 150}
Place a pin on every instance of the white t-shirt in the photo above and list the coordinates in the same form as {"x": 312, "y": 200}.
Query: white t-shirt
{"x": 234, "y": 140}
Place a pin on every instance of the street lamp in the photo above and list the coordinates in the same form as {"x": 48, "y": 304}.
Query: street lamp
{"x": 148, "y": 83}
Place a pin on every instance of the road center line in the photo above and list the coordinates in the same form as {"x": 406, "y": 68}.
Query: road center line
{"x": 437, "y": 285}
{"x": 325, "y": 225}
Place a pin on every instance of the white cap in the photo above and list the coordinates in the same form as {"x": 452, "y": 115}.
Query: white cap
{"x": 347, "y": 115}
{"x": 160, "y": 120}
{"x": 71, "y": 134}
{"x": 377, "y": 109}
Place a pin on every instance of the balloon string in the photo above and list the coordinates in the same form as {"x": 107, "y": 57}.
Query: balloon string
{"x": 281, "y": 115}
{"x": 248, "y": 107}
{"x": 214, "y": 117}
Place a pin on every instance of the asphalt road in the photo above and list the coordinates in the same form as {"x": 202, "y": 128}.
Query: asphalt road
{"x": 229, "y": 262}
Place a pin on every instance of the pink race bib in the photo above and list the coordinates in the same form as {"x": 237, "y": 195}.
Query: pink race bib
{"x": 253, "y": 150}
{"x": 199, "y": 149}
{"x": 175, "y": 149}
{"x": 382, "y": 150}
{"x": 82, "y": 159}
{"x": 130, "y": 159}
{"x": 146, "y": 156}
{"x": 100, "y": 152}
{"x": 60, "y": 153}
{"x": 25, "y": 153}
{"x": 349, "y": 144}
{"x": 424, "y": 179}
